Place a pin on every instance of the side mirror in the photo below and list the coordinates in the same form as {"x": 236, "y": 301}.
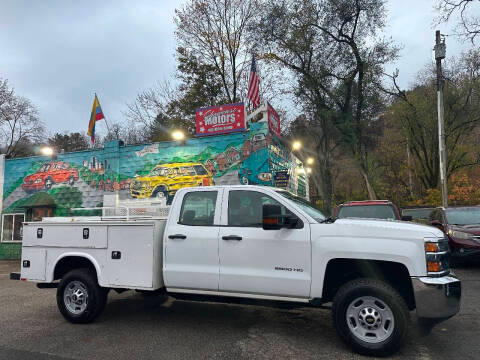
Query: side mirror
{"x": 437, "y": 224}
{"x": 291, "y": 221}
{"x": 407, "y": 218}
{"x": 272, "y": 218}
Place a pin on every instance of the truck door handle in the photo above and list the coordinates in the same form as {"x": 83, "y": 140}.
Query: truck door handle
{"x": 177, "y": 236}
{"x": 232, "y": 237}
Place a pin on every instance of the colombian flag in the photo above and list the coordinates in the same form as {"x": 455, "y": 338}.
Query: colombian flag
{"x": 97, "y": 114}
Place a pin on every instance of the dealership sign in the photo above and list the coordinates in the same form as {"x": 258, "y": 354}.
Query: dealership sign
{"x": 273, "y": 120}
{"x": 220, "y": 119}
{"x": 281, "y": 179}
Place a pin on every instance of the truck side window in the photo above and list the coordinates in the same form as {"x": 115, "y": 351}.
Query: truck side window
{"x": 245, "y": 208}
{"x": 198, "y": 208}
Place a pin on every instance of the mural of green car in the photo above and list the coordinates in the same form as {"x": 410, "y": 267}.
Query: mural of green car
{"x": 165, "y": 179}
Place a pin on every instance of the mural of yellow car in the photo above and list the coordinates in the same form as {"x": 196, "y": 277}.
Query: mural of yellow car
{"x": 165, "y": 179}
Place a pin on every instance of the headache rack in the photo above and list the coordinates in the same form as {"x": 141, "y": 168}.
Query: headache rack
{"x": 122, "y": 210}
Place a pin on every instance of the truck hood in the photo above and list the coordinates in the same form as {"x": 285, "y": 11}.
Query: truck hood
{"x": 383, "y": 240}
{"x": 384, "y": 228}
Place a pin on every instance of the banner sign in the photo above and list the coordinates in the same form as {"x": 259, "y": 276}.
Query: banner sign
{"x": 281, "y": 178}
{"x": 220, "y": 119}
{"x": 273, "y": 120}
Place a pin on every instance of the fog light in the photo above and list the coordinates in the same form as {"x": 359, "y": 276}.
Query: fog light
{"x": 433, "y": 266}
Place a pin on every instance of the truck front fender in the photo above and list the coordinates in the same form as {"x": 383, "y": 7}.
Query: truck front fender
{"x": 327, "y": 248}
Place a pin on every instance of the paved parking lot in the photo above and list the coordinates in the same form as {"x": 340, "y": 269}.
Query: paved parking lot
{"x": 132, "y": 328}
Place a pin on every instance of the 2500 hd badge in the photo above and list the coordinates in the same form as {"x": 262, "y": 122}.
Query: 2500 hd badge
{"x": 287, "y": 269}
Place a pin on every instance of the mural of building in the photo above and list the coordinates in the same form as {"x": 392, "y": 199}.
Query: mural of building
{"x": 35, "y": 187}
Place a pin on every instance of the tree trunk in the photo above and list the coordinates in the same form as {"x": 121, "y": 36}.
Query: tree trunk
{"x": 371, "y": 192}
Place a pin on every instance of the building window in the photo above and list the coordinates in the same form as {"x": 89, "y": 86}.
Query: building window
{"x": 38, "y": 213}
{"x": 12, "y": 227}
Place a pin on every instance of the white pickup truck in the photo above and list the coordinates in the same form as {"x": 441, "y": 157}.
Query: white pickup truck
{"x": 251, "y": 242}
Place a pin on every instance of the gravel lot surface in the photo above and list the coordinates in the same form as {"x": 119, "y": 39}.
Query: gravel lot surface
{"x": 134, "y": 328}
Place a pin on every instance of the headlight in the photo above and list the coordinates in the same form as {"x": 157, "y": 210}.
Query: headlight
{"x": 37, "y": 181}
{"x": 460, "y": 235}
{"x": 436, "y": 256}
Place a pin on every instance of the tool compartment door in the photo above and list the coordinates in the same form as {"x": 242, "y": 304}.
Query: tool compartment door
{"x": 75, "y": 235}
{"x": 33, "y": 263}
{"x": 130, "y": 253}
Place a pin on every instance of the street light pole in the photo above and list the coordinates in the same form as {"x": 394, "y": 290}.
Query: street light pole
{"x": 440, "y": 50}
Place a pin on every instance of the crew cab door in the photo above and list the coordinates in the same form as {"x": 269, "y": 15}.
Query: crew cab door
{"x": 191, "y": 241}
{"x": 257, "y": 261}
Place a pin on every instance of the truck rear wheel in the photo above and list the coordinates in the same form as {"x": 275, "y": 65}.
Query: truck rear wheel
{"x": 370, "y": 316}
{"x": 79, "y": 297}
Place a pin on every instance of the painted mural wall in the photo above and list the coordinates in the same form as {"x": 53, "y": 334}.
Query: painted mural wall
{"x": 80, "y": 179}
{"x": 40, "y": 186}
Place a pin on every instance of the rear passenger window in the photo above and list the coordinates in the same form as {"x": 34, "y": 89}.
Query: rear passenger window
{"x": 198, "y": 208}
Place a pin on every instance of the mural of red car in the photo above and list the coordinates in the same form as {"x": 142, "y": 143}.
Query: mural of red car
{"x": 50, "y": 173}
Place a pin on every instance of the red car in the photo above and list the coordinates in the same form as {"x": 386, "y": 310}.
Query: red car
{"x": 462, "y": 227}
{"x": 371, "y": 209}
{"x": 50, "y": 173}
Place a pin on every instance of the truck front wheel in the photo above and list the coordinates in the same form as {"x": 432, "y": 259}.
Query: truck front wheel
{"x": 79, "y": 297}
{"x": 370, "y": 316}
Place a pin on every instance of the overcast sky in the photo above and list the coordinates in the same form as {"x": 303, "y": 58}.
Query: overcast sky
{"x": 58, "y": 53}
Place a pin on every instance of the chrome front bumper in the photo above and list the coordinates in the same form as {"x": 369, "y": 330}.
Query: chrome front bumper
{"x": 437, "y": 299}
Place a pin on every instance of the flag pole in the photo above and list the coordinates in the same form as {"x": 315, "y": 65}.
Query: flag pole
{"x": 104, "y": 117}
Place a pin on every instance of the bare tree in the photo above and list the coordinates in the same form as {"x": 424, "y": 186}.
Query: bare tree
{"x": 216, "y": 31}
{"x": 130, "y": 133}
{"x": 19, "y": 120}
{"x": 468, "y": 25}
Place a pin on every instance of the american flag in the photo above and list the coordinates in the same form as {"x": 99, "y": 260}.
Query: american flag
{"x": 254, "y": 85}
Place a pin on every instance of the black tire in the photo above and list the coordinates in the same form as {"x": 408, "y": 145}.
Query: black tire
{"x": 371, "y": 288}
{"x": 160, "y": 190}
{"x": 96, "y": 296}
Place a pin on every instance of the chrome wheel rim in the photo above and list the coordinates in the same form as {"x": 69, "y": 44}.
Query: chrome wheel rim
{"x": 370, "y": 319}
{"x": 75, "y": 297}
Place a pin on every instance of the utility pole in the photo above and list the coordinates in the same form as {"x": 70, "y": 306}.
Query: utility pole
{"x": 440, "y": 50}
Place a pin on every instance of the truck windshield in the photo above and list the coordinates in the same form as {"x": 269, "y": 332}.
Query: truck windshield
{"x": 304, "y": 205}
{"x": 463, "y": 216}
{"x": 367, "y": 212}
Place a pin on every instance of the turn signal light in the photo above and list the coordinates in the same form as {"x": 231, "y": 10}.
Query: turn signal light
{"x": 433, "y": 266}
{"x": 270, "y": 221}
{"x": 431, "y": 247}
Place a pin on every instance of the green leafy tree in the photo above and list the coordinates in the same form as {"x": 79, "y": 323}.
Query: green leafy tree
{"x": 337, "y": 57}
